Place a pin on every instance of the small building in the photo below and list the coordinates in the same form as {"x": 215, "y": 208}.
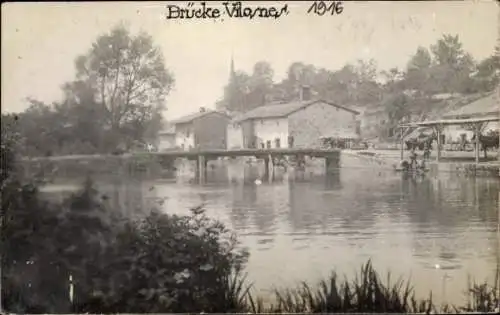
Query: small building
{"x": 482, "y": 107}
{"x": 473, "y": 116}
{"x": 166, "y": 138}
{"x": 301, "y": 123}
{"x": 203, "y": 130}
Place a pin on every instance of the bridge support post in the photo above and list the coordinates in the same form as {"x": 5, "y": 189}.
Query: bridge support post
{"x": 438, "y": 129}
{"x": 438, "y": 155}
{"x": 332, "y": 162}
{"x": 477, "y": 132}
{"x": 268, "y": 167}
{"x": 201, "y": 168}
{"x": 402, "y": 143}
{"x": 300, "y": 162}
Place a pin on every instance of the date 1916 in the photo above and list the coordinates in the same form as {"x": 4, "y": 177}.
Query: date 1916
{"x": 324, "y": 7}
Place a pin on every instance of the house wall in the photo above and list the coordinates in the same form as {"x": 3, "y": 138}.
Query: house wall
{"x": 210, "y": 131}
{"x": 247, "y": 130}
{"x": 270, "y": 129}
{"x": 234, "y": 136}
{"x": 309, "y": 124}
{"x": 166, "y": 141}
{"x": 184, "y": 136}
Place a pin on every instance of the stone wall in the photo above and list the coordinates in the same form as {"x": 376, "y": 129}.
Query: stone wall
{"x": 210, "y": 131}
{"x": 319, "y": 119}
{"x": 247, "y": 129}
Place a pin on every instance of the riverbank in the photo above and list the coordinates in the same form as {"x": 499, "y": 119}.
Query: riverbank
{"x": 450, "y": 161}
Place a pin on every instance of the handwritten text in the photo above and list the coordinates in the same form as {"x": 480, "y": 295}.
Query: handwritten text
{"x": 322, "y": 7}
{"x": 229, "y": 9}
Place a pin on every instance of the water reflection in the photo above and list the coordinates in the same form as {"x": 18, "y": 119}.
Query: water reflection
{"x": 302, "y": 224}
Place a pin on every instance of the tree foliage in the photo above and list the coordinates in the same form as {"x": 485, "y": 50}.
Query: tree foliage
{"x": 444, "y": 67}
{"x": 116, "y": 98}
{"x": 128, "y": 76}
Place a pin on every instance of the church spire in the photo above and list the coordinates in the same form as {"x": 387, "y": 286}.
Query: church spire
{"x": 232, "y": 72}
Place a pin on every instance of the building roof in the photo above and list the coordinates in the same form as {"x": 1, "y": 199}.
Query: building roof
{"x": 191, "y": 117}
{"x": 463, "y": 121}
{"x": 284, "y": 110}
{"x": 484, "y": 106}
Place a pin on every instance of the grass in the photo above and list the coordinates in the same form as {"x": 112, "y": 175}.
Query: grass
{"x": 366, "y": 294}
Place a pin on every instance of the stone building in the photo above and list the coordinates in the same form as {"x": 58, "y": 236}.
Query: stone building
{"x": 297, "y": 124}
{"x": 203, "y": 130}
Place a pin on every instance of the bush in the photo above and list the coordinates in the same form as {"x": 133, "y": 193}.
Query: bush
{"x": 163, "y": 263}
{"x": 157, "y": 263}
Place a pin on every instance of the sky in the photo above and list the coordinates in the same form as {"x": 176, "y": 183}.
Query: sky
{"x": 40, "y": 42}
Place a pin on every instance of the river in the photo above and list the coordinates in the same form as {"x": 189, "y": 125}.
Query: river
{"x": 302, "y": 225}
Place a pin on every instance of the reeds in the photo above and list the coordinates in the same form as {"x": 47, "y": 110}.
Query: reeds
{"x": 367, "y": 293}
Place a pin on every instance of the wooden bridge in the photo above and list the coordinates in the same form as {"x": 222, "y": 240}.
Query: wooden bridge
{"x": 331, "y": 156}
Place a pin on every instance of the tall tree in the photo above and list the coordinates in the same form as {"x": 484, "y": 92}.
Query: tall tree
{"x": 260, "y": 84}
{"x": 366, "y": 70}
{"x": 417, "y": 70}
{"x": 129, "y": 76}
{"x": 453, "y": 65}
{"x": 393, "y": 79}
{"x": 236, "y": 92}
{"x": 487, "y": 75}
{"x": 397, "y": 108}
{"x": 298, "y": 74}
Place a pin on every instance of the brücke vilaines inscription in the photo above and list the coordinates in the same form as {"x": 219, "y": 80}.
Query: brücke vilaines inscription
{"x": 202, "y": 10}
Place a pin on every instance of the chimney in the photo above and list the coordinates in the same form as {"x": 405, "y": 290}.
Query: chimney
{"x": 305, "y": 93}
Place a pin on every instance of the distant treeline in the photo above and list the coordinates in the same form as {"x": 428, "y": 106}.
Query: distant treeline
{"x": 116, "y": 99}
{"x": 444, "y": 68}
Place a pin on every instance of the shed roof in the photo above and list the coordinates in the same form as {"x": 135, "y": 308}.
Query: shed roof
{"x": 462, "y": 121}
{"x": 191, "y": 117}
{"x": 284, "y": 110}
{"x": 484, "y": 106}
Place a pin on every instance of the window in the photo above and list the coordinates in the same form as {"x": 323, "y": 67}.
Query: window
{"x": 261, "y": 122}
{"x": 277, "y": 123}
{"x": 268, "y": 144}
{"x": 277, "y": 143}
